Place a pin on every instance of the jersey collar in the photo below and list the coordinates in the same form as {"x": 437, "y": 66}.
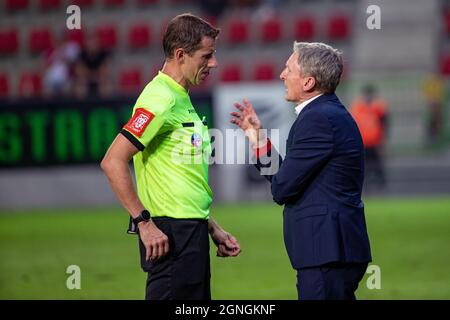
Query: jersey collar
{"x": 172, "y": 83}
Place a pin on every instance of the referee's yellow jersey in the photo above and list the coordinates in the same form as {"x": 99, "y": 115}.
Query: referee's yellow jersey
{"x": 172, "y": 168}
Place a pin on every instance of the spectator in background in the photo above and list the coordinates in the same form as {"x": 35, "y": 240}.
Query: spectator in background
{"x": 370, "y": 113}
{"x": 92, "y": 71}
{"x": 433, "y": 90}
{"x": 59, "y": 63}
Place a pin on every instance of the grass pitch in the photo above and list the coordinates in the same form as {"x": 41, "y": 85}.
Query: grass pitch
{"x": 409, "y": 238}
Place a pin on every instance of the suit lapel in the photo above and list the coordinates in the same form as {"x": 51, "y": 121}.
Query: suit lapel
{"x": 322, "y": 99}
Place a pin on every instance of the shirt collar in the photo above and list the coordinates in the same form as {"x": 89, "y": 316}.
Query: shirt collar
{"x": 302, "y": 105}
{"x": 171, "y": 82}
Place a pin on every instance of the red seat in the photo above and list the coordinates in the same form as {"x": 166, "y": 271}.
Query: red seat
{"x": 264, "y": 72}
{"x": 338, "y": 27}
{"x": 16, "y": 4}
{"x": 445, "y": 65}
{"x": 76, "y": 35}
{"x": 106, "y": 36}
{"x": 231, "y": 73}
{"x": 237, "y": 31}
{"x": 40, "y": 39}
{"x": 49, "y": 4}
{"x": 83, "y": 3}
{"x": 30, "y": 84}
{"x": 304, "y": 28}
{"x": 9, "y": 41}
{"x": 146, "y": 2}
{"x": 447, "y": 22}
{"x": 271, "y": 30}
{"x": 139, "y": 36}
{"x": 4, "y": 85}
{"x": 113, "y": 3}
{"x": 130, "y": 80}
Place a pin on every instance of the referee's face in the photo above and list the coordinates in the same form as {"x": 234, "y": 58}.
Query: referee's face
{"x": 199, "y": 64}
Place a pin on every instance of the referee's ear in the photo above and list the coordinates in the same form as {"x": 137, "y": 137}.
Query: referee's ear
{"x": 179, "y": 55}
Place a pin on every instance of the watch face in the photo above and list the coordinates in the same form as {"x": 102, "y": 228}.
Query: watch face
{"x": 145, "y": 214}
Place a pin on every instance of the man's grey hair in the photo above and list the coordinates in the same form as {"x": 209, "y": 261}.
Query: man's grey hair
{"x": 322, "y": 62}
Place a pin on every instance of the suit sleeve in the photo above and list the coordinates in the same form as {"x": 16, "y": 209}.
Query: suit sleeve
{"x": 311, "y": 148}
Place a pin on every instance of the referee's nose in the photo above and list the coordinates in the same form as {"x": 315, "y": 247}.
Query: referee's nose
{"x": 212, "y": 63}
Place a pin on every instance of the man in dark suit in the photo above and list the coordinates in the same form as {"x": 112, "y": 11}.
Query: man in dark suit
{"x": 320, "y": 180}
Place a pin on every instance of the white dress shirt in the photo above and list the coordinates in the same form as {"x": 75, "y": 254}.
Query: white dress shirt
{"x": 302, "y": 105}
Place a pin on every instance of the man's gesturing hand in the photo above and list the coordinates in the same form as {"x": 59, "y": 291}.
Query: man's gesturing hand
{"x": 155, "y": 241}
{"x": 247, "y": 119}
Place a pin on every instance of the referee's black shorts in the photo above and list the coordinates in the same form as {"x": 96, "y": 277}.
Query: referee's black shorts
{"x": 184, "y": 273}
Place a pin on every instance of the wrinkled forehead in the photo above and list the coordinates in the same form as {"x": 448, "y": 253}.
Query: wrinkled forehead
{"x": 292, "y": 62}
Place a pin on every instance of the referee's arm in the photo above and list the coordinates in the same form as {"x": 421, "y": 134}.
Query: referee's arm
{"x": 115, "y": 166}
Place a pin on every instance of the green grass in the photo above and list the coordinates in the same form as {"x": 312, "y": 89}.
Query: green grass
{"x": 410, "y": 239}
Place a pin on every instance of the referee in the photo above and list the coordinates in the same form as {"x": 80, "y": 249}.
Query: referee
{"x": 164, "y": 137}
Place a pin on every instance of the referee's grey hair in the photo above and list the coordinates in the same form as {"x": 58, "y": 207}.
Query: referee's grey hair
{"x": 322, "y": 62}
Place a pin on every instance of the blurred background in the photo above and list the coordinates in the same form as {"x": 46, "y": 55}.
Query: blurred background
{"x": 65, "y": 94}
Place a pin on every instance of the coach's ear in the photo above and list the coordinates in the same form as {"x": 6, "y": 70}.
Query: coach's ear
{"x": 309, "y": 83}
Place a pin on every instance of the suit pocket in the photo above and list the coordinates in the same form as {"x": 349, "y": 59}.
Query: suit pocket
{"x": 311, "y": 211}
{"x": 309, "y": 231}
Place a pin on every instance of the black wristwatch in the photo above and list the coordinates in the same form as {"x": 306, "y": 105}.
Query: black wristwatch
{"x": 144, "y": 216}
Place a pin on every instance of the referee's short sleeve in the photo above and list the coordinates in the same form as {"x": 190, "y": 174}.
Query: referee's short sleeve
{"x": 148, "y": 119}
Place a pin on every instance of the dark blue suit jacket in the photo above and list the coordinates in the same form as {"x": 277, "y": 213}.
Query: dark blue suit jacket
{"x": 319, "y": 183}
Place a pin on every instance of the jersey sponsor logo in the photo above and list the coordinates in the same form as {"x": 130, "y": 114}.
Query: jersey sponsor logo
{"x": 196, "y": 140}
{"x": 140, "y": 120}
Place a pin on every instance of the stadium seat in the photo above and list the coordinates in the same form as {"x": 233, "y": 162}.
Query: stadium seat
{"x": 76, "y": 35}
{"x": 237, "y": 31}
{"x": 113, "y": 3}
{"x": 304, "y": 28}
{"x": 447, "y": 22}
{"x": 9, "y": 41}
{"x": 178, "y": 2}
{"x": 40, "y": 39}
{"x": 130, "y": 81}
{"x": 49, "y": 4}
{"x": 271, "y": 30}
{"x": 146, "y": 2}
{"x": 16, "y": 4}
{"x": 4, "y": 85}
{"x": 106, "y": 36}
{"x": 30, "y": 84}
{"x": 83, "y": 3}
{"x": 338, "y": 27}
{"x": 445, "y": 65}
{"x": 264, "y": 72}
{"x": 231, "y": 73}
{"x": 139, "y": 36}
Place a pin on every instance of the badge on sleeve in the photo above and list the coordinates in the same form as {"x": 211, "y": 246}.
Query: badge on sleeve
{"x": 139, "y": 122}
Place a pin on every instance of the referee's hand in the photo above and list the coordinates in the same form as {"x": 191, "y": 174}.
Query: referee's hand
{"x": 227, "y": 245}
{"x": 155, "y": 241}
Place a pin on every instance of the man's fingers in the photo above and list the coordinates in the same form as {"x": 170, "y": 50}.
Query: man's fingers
{"x": 148, "y": 252}
{"x": 221, "y": 251}
{"x": 239, "y": 106}
{"x": 166, "y": 247}
{"x": 236, "y": 114}
{"x": 248, "y": 104}
{"x": 157, "y": 253}
{"x": 236, "y": 122}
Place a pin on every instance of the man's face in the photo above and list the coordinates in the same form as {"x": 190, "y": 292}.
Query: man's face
{"x": 296, "y": 84}
{"x": 197, "y": 66}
